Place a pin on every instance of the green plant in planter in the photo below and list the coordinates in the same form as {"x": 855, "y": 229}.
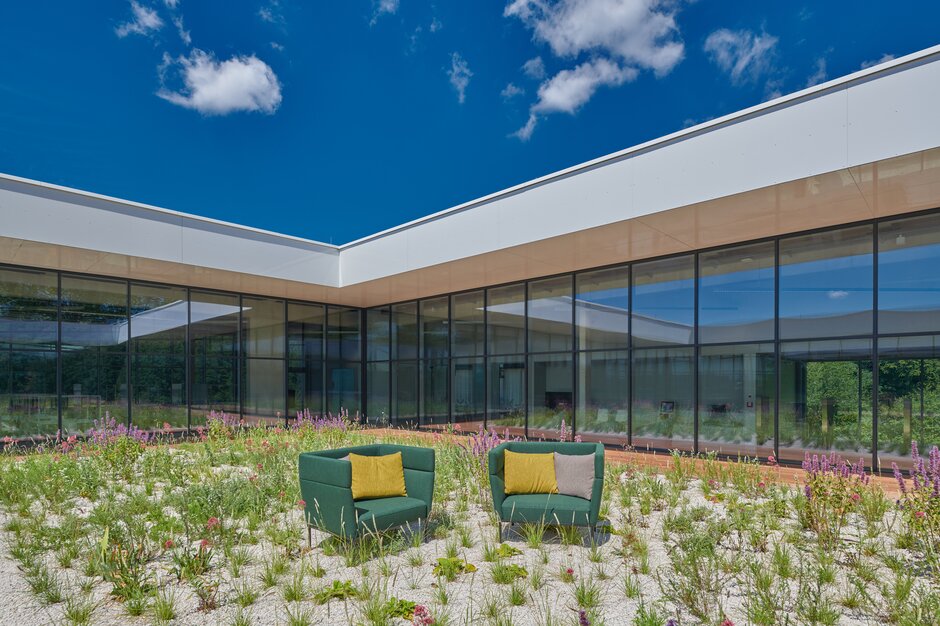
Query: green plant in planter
{"x": 339, "y": 590}
{"x": 396, "y": 607}
{"x": 451, "y": 567}
{"x": 505, "y": 551}
{"x": 505, "y": 573}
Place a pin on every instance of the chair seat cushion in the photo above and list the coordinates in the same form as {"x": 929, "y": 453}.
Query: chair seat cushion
{"x": 547, "y": 508}
{"x": 384, "y": 513}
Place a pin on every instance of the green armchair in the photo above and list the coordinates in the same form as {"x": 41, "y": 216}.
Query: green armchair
{"x": 326, "y": 488}
{"x": 552, "y": 509}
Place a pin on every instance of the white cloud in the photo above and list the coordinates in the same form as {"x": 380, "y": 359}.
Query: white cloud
{"x": 743, "y": 54}
{"x": 436, "y": 25}
{"x": 534, "y": 68}
{"x": 838, "y": 294}
{"x": 637, "y": 32}
{"x": 171, "y": 4}
{"x": 383, "y": 7}
{"x": 242, "y": 83}
{"x": 883, "y": 59}
{"x": 568, "y": 90}
{"x": 183, "y": 33}
{"x": 277, "y": 46}
{"x": 820, "y": 75}
{"x": 459, "y": 74}
{"x": 271, "y": 12}
{"x": 510, "y": 91}
{"x": 144, "y": 21}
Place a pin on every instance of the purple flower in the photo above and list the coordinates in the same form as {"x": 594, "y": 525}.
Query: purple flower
{"x": 583, "y": 618}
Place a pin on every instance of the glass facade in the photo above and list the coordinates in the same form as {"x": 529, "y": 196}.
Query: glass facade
{"x": 827, "y": 341}
{"x": 79, "y": 349}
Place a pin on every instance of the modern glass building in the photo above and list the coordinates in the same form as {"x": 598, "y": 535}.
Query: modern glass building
{"x": 765, "y": 283}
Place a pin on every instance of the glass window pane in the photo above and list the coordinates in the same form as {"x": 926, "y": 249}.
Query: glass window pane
{"x": 736, "y": 399}
{"x": 343, "y": 387}
{"x": 908, "y": 280}
{"x": 94, "y": 386}
{"x": 505, "y": 323}
{"x": 506, "y": 388}
{"x": 663, "y": 389}
{"x": 825, "y": 398}
{"x": 378, "y": 333}
{"x": 404, "y": 392}
{"x": 551, "y": 397}
{"x": 28, "y": 302}
{"x": 343, "y": 343}
{"x": 159, "y": 316}
{"x": 28, "y": 400}
{"x": 378, "y": 409}
{"x": 908, "y": 397}
{"x": 469, "y": 406}
{"x": 305, "y": 328}
{"x": 263, "y": 327}
{"x": 159, "y": 391}
{"x": 405, "y": 331}
{"x": 434, "y": 328}
{"x": 469, "y": 331}
{"x": 604, "y": 396}
{"x": 602, "y": 309}
{"x": 214, "y": 351}
{"x": 550, "y": 315}
{"x": 736, "y": 294}
{"x": 94, "y": 314}
{"x": 263, "y": 381}
{"x": 434, "y": 401}
{"x": 664, "y": 302}
{"x": 826, "y": 284}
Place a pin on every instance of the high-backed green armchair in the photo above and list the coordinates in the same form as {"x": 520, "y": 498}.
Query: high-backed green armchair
{"x": 326, "y": 487}
{"x": 552, "y": 509}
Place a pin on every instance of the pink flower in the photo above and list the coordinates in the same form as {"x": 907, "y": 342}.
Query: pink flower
{"x": 771, "y": 460}
{"x": 856, "y": 497}
{"x": 212, "y": 523}
{"x": 168, "y": 544}
{"x": 281, "y": 494}
{"x": 920, "y": 514}
{"x": 260, "y": 467}
{"x": 422, "y": 616}
{"x": 761, "y": 485}
{"x": 253, "y": 477}
{"x": 727, "y": 622}
{"x": 301, "y": 504}
{"x": 204, "y": 544}
{"x": 569, "y": 571}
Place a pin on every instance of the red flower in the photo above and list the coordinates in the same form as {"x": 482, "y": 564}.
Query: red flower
{"x": 856, "y": 497}
{"x": 301, "y": 504}
{"x": 212, "y": 523}
{"x": 761, "y": 485}
{"x": 920, "y": 514}
{"x": 204, "y": 544}
{"x": 727, "y": 622}
{"x": 260, "y": 467}
{"x": 167, "y": 544}
{"x": 569, "y": 571}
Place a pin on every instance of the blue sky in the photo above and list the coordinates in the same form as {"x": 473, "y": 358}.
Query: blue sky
{"x": 334, "y": 120}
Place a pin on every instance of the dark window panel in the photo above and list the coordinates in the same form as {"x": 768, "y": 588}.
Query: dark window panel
{"x": 94, "y": 386}
{"x": 159, "y": 316}
{"x": 469, "y": 384}
{"x": 663, "y": 392}
{"x": 343, "y": 384}
{"x": 377, "y": 402}
{"x": 550, "y": 315}
{"x": 405, "y": 331}
{"x": 343, "y": 334}
{"x": 908, "y": 280}
{"x": 263, "y": 328}
{"x": 435, "y": 328}
{"x": 434, "y": 400}
{"x": 505, "y": 407}
{"x": 602, "y": 309}
{"x": 159, "y": 391}
{"x": 28, "y": 400}
{"x": 404, "y": 393}
{"x": 604, "y": 396}
{"x": 378, "y": 333}
{"x": 664, "y": 302}
{"x": 94, "y": 314}
{"x": 551, "y": 394}
{"x": 505, "y": 325}
{"x": 469, "y": 332}
{"x": 28, "y": 309}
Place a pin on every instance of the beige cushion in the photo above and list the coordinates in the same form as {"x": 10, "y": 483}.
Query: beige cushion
{"x": 574, "y": 474}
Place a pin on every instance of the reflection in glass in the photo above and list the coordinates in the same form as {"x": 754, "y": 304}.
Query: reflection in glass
{"x": 505, "y": 324}
{"x": 263, "y": 327}
{"x": 551, "y": 397}
{"x": 506, "y": 388}
{"x": 28, "y": 309}
{"x": 736, "y": 294}
{"x": 305, "y": 329}
{"x": 342, "y": 385}
{"x": 405, "y": 330}
{"x": 377, "y": 399}
{"x": 825, "y": 398}
{"x": 434, "y": 402}
{"x": 826, "y": 284}
{"x": 603, "y": 396}
{"x": 736, "y": 399}
{"x": 28, "y": 400}
{"x": 550, "y": 315}
{"x": 434, "y": 328}
{"x": 908, "y": 397}
{"x": 263, "y": 381}
{"x": 663, "y": 390}
{"x": 342, "y": 334}
{"x": 94, "y": 345}
{"x": 908, "y": 280}
{"x": 404, "y": 392}
{"x": 602, "y": 309}
{"x": 378, "y": 333}
{"x": 469, "y": 406}
{"x": 159, "y": 316}
{"x": 469, "y": 333}
{"x": 664, "y": 302}
{"x": 214, "y": 353}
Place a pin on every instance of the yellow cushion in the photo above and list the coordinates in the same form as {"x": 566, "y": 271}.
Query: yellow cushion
{"x": 377, "y": 476}
{"x": 529, "y": 473}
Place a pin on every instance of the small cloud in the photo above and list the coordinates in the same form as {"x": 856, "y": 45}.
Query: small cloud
{"x": 383, "y": 7}
{"x": 568, "y": 90}
{"x": 279, "y": 47}
{"x": 171, "y": 4}
{"x": 511, "y": 91}
{"x": 241, "y": 83}
{"x": 534, "y": 68}
{"x": 820, "y": 75}
{"x": 883, "y": 59}
{"x": 144, "y": 21}
{"x": 183, "y": 33}
{"x": 459, "y": 74}
{"x": 271, "y": 12}
{"x": 744, "y": 55}
{"x": 436, "y": 25}
{"x": 838, "y": 294}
